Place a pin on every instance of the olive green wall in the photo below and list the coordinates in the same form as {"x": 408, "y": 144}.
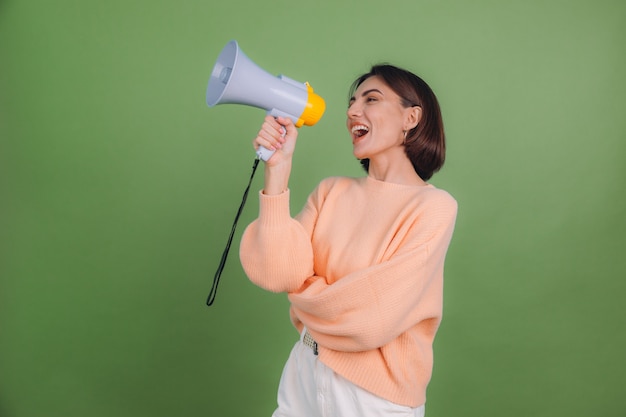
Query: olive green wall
{"x": 119, "y": 186}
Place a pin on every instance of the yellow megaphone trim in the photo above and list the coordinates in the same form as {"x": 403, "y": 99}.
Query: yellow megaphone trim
{"x": 314, "y": 109}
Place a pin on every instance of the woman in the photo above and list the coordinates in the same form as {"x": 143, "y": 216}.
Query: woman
{"x": 362, "y": 263}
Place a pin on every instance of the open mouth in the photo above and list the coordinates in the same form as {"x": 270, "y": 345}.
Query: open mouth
{"x": 359, "y": 130}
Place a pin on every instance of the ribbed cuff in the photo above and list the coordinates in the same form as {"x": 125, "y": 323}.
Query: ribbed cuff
{"x": 274, "y": 209}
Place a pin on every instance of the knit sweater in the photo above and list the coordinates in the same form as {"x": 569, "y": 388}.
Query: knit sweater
{"x": 362, "y": 264}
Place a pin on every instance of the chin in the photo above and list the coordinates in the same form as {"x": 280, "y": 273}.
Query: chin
{"x": 358, "y": 154}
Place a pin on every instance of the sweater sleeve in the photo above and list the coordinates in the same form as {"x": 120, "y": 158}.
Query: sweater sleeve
{"x": 371, "y": 307}
{"x": 275, "y": 250}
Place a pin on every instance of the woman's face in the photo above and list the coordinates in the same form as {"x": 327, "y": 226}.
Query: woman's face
{"x": 377, "y": 120}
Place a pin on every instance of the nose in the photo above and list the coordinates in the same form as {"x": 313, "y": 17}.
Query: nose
{"x": 354, "y": 109}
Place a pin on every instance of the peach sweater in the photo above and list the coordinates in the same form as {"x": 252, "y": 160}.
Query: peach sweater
{"x": 363, "y": 268}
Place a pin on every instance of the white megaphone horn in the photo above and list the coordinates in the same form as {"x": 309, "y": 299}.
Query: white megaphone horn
{"x": 235, "y": 79}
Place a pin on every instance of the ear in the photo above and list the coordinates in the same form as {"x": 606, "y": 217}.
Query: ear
{"x": 413, "y": 116}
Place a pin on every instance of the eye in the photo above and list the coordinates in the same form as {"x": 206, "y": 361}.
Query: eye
{"x": 371, "y": 99}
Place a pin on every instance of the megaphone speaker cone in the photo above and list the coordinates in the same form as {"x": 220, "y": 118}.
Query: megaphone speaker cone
{"x": 221, "y": 74}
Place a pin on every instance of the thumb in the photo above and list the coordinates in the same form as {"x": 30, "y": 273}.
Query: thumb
{"x": 287, "y": 123}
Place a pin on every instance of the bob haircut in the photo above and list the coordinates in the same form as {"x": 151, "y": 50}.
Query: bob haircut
{"x": 425, "y": 144}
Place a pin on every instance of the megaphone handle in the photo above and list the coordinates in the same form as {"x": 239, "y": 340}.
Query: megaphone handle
{"x": 264, "y": 153}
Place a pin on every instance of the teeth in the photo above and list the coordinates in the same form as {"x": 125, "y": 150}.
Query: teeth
{"x": 360, "y": 129}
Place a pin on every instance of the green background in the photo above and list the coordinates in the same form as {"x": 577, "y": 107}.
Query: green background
{"x": 119, "y": 186}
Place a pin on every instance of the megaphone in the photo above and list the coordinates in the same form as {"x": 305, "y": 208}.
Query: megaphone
{"x": 236, "y": 79}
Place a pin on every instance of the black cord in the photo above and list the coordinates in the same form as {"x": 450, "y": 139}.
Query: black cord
{"x": 220, "y": 268}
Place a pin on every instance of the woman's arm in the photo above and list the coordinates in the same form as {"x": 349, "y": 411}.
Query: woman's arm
{"x": 279, "y": 135}
{"x": 275, "y": 250}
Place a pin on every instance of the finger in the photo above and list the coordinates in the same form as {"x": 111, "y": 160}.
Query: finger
{"x": 288, "y": 127}
{"x": 278, "y": 128}
{"x": 284, "y": 121}
{"x": 269, "y": 138}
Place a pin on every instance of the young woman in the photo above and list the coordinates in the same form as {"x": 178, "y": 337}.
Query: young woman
{"x": 362, "y": 263}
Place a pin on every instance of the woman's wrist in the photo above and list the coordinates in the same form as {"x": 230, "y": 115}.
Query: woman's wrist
{"x": 277, "y": 178}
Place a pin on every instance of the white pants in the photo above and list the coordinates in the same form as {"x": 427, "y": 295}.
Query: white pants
{"x": 308, "y": 388}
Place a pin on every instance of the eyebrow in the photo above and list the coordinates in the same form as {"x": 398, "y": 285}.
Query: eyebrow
{"x": 364, "y": 93}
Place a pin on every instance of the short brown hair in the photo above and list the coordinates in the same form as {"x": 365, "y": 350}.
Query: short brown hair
{"x": 425, "y": 144}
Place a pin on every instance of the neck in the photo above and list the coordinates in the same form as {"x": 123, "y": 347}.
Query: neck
{"x": 397, "y": 171}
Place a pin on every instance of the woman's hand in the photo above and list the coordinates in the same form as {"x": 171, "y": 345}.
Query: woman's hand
{"x": 277, "y": 134}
